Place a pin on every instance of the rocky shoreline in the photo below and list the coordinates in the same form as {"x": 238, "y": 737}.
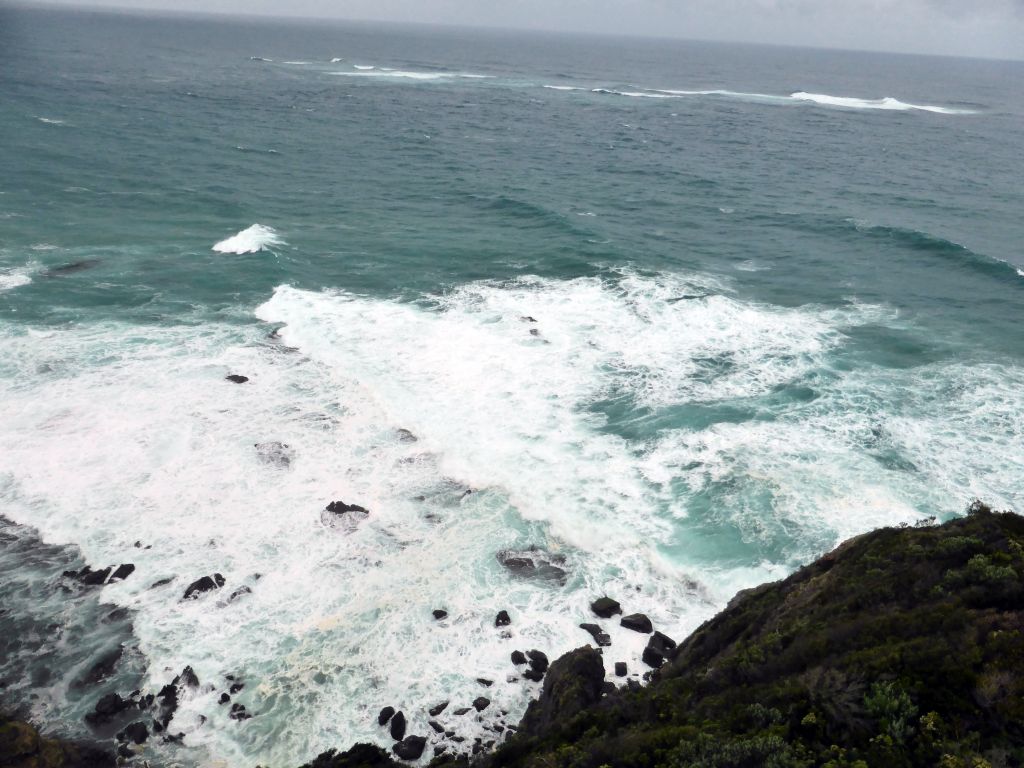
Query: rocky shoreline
{"x": 903, "y": 646}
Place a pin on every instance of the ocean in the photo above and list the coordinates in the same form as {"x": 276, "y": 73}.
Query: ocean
{"x": 667, "y": 319}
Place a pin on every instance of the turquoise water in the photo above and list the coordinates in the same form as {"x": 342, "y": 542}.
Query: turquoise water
{"x": 685, "y": 314}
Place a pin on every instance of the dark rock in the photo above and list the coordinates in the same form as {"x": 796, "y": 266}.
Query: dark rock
{"x": 528, "y": 319}
{"x": 620, "y": 669}
{"x": 652, "y": 658}
{"x": 410, "y": 748}
{"x": 236, "y": 687}
{"x": 123, "y": 572}
{"x": 605, "y": 607}
{"x": 187, "y": 679}
{"x": 202, "y": 585}
{"x": 440, "y": 614}
{"x": 534, "y": 563}
{"x": 398, "y": 726}
{"x": 462, "y": 711}
{"x": 406, "y": 436}
{"x": 440, "y": 750}
{"x": 124, "y": 751}
{"x": 238, "y": 712}
{"x": 385, "y": 715}
{"x": 607, "y": 687}
{"x": 224, "y": 699}
{"x": 107, "y": 708}
{"x": 359, "y": 756}
{"x": 137, "y": 733}
{"x": 663, "y": 644}
{"x": 502, "y": 619}
{"x": 538, "y": 660}
{"x": 435, "y": 711}
{"x": 161, "y": 582}
{"x": 438, "y": 728}
{"x": 89, "y": 577}
{"x": 340, "y": 508}
{"x": 481, "y": 703}
{"x": 518, "y": 657}
{"x": 534, "y": 332}
{"x": 600, "y": 637}
{"x": 633, "y": 685}
{"x": 638, "y": 622}
{"x": 237, "y": 378}
{"x": 485, "y": 682}
{"x": 574, "y": 682}
{"x": 274, "y": 453}
{"x": 102, "y": 669}
{"x": 534, "y": 675}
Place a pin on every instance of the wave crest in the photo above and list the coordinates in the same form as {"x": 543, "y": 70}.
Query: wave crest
{"x": 256, "y": 238}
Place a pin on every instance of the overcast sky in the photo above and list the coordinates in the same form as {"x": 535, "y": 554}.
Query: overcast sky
{"x": 989, "y": 28}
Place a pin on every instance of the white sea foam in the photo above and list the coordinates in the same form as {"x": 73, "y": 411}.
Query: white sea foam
{"x": 16, "y": 277}
{"x": 363, "y": 66}
{"x": 256, "y": 238}
{"x": 335, "y": 60}
{"x": 92, "y": 456}
{"x": 50, "y": 121}
{"x": 564, "y": 88}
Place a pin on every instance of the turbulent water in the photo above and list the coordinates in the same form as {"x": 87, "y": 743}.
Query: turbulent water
{"x": 684, "y": 315}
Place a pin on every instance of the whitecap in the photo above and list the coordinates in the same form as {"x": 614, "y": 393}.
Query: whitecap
{"x": 50, "y": 121}
{"x": 17, "y": 277}
{"x": 564, "y": 88}
{"x": 363, "y": 67}
{"x": 256, "y": 238}
{"x": 887, "y": 103}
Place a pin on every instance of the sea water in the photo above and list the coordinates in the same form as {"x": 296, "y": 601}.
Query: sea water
{"x": 683, "y": 316}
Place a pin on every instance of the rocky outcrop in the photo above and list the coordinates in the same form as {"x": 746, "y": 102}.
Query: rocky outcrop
{"x": 22, "y": 746}
{"x": 534, "y": 563}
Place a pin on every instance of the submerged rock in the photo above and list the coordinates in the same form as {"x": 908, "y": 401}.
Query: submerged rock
{"x": 534, "y": 563}
{"x": 237, "y": 378}
{"x": 405, "y": 436}
{"x": 203, "y": 585}
{"x": 275, "y": 453}
{"x": 102, "y": 669}
{"x": 107, "y": 708}
{"x": 137, "y": 733}
{"x": 345, "y": 517}
{"x": 71, "y": 268}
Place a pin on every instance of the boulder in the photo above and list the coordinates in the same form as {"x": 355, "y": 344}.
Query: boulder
{"x": 638, "y": 622}
{"x": 485, "y": 682}
{"x": 534, "y": 675}
{"x": 462, "y": 711}
{"x": 480, "y": 703}
{"x": 534, "y": 563}
{"x": 123, "y": 572}
{"x": 385, "y": 715}
{"x": 438, "y": 728}
{"x": 398, "y": 726}
{"x": 440, "y": 614}
{"x": 242, "y": 591}
{"x": 652, "y": 658}
{"x": 573, "y": 683}
{"x": 663, "y": 644}
{"x": 224, "y": 698}
{"x": 538, "y": 660}
{"x": 238, "y": 712}
{"x": 136, "y": 733}
{"x": 236, "y": 687}
{"x": 620, "y": 669}
{"x": 237, "y": 378}
{"x": 342, "y": 516}
{"x": 518, "y": 657}
{"x": 203, "y": 585}
{"x": 605, "y": 607}
{"x": 437, "y": 710}
{"x": 340, "y": 508}
{"x": 502, "y": 619}
{"x": 600, "y": 636}
{"x": 410, "y": 748}
{"x": 405, "y": 436}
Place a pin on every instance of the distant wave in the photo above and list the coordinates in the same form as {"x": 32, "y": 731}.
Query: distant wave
{"x": 800, "y": 97}
{"x": 335, "y": 60}
{"x": 50, "y": 121}
{"x": 564, "y": 88}
{"x": 256, "y": 238}
{"x": 258, "y": 151}
{"x": 363, "y": 66}
{"x": 259, "y": 58}
{"x": 398, "y": 73}
{"x": 885, "y": 103}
